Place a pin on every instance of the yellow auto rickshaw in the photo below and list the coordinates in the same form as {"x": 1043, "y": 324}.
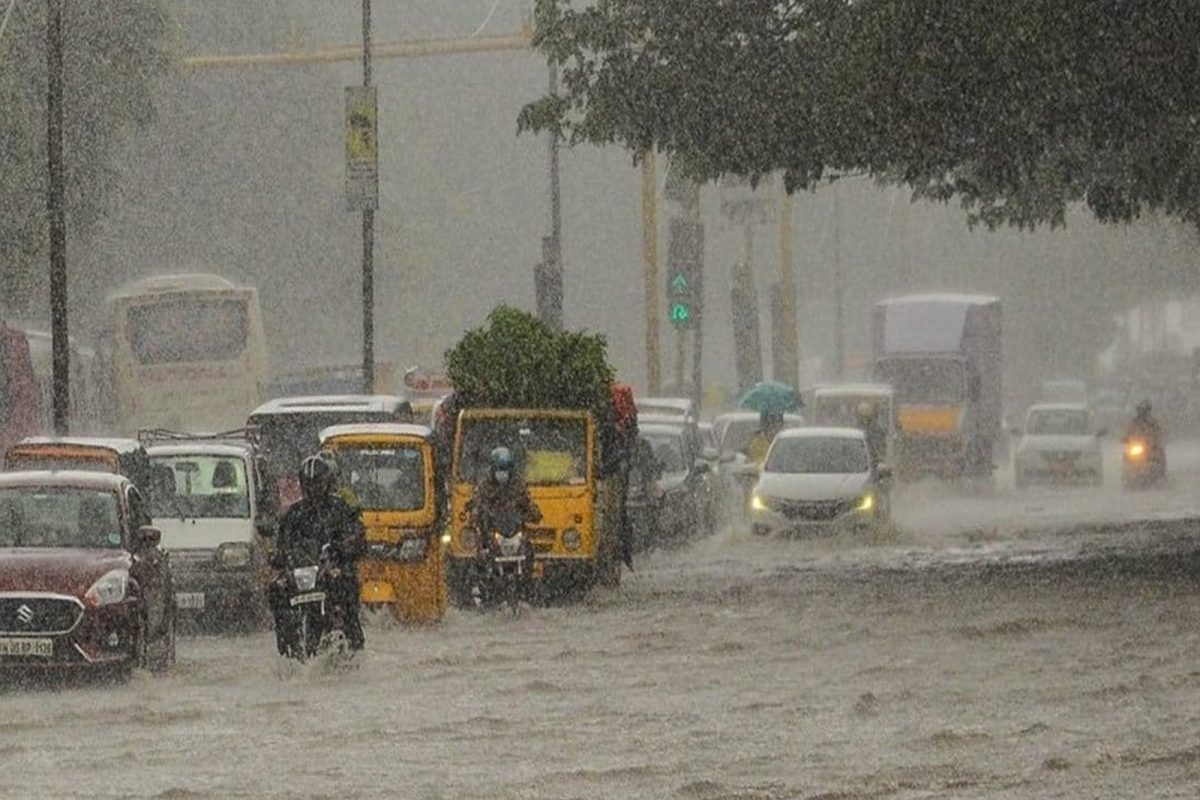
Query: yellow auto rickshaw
{"x": 387, "y": 470}
{"x": 557, "y": 452}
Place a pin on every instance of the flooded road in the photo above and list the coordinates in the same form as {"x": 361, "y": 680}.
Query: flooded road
{"x": 956, "y": 659}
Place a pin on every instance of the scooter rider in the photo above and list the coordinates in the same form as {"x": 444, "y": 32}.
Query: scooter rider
{"x": 1145, "y": 426}
{"x": 500, "y": 494}
{"x": 321, "y": 518}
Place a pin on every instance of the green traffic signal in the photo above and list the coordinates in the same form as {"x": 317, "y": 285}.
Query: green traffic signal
{"x": 681, "y": 313}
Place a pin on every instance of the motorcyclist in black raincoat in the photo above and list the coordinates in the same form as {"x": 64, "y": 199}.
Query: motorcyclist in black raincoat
{"x": 321, "y": 518}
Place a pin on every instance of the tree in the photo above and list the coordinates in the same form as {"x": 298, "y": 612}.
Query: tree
{"x": 112, "y": 54}
{"x": 1018, "y": 109}
{"x": 518, "y": 361}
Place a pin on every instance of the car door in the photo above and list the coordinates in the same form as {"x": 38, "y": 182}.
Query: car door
{"x": 151, "y": 568}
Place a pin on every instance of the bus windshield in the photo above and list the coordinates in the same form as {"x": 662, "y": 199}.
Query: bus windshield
{"x": 548, "y": 451}
{"x": 182, "y": 329}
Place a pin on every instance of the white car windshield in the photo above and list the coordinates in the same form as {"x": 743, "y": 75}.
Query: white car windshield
{"x": 199, "y": 486}
{"x": 810, "y": 455}
{"x": 1058, "y": 422}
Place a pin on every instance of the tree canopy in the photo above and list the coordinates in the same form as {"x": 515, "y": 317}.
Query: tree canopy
{"x": 518, "y": 361}
{"x": 1018, "y": 108}
{"x": 112, "y": 53}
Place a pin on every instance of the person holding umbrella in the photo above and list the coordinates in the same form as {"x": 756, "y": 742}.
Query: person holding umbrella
{"x": 772, "y": 401}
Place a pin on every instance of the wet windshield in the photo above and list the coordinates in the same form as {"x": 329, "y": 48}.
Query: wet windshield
{"x": 818, "y": 455}
{"x": 668, "y": 451}
{"x": 189, "y": 329}
{"x": 199, "y": 487}
{"x": 1058, "y": 422}
{"x": 547, "y": 451}
{"x": 384, "y": 478}
{"x": 919, "y": 380}
{"x": 58, "y": 517}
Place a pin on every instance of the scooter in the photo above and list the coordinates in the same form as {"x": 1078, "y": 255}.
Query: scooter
{"x": 311, "y": 623}
{"x": 1143, "y": 464}
{"x": 507, "y": 573}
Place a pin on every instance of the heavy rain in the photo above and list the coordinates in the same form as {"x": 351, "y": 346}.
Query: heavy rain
{"x": 567, "y": 399}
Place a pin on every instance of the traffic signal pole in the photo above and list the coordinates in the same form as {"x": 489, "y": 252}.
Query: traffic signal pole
{"x": 650, "y": 262}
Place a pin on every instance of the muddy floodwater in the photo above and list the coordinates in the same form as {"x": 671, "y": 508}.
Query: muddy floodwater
{"x": 982, "y": 661}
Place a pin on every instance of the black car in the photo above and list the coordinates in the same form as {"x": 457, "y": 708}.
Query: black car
{"x": 683, "y": 492}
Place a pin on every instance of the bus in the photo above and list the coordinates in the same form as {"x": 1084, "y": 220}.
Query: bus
{"x": 184, "y": 352}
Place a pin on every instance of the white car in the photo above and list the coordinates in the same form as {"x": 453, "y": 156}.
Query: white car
{"x": 819, "y": 478}
{"x": 1059, "y": 444}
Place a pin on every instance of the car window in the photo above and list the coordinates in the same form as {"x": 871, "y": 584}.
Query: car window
{"x": 1058, "y": 422}
{"x": 139, "y": 512}
{"x": 57, "y": 516}
{"x": 668, "y": 451}
{"x": 818, "y": 455}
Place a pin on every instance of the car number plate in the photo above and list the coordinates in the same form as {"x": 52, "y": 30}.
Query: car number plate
{"x": 308, "y": 597}
{"x": 27, "y": 647}
{"x": 189, "y": 599}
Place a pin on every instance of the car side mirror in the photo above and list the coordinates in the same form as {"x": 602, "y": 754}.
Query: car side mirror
{"x": 146, "y": 537}
{"x": 884, "y": 472}
{"x": 701, "y": 466}
{"x": 728, "y": 456}
{"x": 710, "y": 454}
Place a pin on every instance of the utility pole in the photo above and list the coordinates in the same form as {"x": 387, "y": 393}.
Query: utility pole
{"x": 368, "y": 234}
{"x": 650, "y": 262}
{"x": 839, "y": 300}
{"x": 59, "y": 342}
{"x": 787, "y": 369}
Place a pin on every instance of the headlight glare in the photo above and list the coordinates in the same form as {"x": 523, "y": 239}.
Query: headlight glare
{"x": 110, "y": 588}
{"x": 758, "y": 502}
{"x": 865, "y": 503}
{"x": 234, "y": 554}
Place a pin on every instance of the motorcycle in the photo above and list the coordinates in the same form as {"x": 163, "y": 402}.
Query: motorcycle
{"x": 310, "y": 622}
{"x": 1143, "y": 463}
{"x": 506, "y": 575}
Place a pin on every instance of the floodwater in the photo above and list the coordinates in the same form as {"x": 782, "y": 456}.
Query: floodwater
{"x": 987, "y": 648}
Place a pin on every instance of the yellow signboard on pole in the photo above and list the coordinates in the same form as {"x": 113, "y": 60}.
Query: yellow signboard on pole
{"x": 362, "y": 150}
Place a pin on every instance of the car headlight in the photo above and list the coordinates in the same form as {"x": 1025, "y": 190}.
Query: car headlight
{"x": 110, "y": 588}
{"x": 233, "y": 554}
{"x": 865, "y": 503}
{"x": 572, "y": 539}
{"x": 445, "y": 540}
{"x": 469, "y": 539}
{"x": 758, "y": 502}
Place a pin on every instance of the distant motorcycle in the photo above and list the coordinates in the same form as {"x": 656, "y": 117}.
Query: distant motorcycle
{"x": 1144, "y": 464}
{"x": 311, "y": 623}
{"x": 506, "y": 575}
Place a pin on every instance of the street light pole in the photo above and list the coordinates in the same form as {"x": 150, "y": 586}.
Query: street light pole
{"x": 56, "y": 211}
{"x": 368, "y": 236}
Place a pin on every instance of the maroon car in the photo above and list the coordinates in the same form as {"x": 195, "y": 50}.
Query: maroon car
{"x": 83, "y": 582}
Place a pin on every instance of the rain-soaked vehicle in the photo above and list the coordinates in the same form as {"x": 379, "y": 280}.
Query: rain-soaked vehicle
{"x": 288, "y": 429}
{"x": 83, "y": 581}
{"x": 215, "y": 515}
{"x": 388, "y": 471}
{"x": 576, "y": 543}
{"x": 20, "y": 402}
{"x": 119, "y": 456}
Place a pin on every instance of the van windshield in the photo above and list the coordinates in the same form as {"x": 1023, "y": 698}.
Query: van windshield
{"x": 199, "y": 486}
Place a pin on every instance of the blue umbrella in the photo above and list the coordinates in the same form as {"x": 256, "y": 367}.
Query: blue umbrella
{"x": 768, "y": 397}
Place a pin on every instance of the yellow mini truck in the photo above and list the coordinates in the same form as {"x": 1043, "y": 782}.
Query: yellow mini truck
{"x": 557, "y": 454}
{"x": 387, "y": 470}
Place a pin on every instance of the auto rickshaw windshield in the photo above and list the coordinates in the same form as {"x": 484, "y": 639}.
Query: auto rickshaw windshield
{"x": 384, "y": 478}
{"x": 547, "y": 451}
